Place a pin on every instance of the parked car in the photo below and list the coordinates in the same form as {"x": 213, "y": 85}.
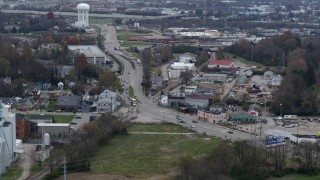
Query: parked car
{"x": 93, "y": 118}
{"x": 182, "y": 121}
{"x": 194, "y": 121}
{"x": 230, "y": 132}
{"x": 58, "y": 110}
{"x": 23, "y": 109}
{"x": 192, "y": 126}
{"x": 179, "y": 117}
{"x": 73, "y": 123}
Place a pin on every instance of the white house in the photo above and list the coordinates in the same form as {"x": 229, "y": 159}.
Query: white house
{"x": 164, "y": 101}
{"x": 107, "y": 101}
{"x": 8, "y": 150}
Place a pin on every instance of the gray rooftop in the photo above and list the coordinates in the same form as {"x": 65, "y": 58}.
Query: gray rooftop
{"x": 88, "y": 50}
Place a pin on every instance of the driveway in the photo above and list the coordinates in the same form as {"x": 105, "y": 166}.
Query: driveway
{"x": 27, "y": 159}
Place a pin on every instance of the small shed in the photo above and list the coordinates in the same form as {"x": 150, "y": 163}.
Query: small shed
{"x": 268, "y": 75}
{"x": 60, "y": 86}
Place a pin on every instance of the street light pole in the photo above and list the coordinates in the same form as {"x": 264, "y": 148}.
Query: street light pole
{"x": 251, "y": 51}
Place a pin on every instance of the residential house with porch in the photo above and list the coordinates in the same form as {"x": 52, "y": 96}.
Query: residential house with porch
{"x": 107, "y": 101}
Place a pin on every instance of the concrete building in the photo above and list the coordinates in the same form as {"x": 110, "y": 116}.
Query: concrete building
{"x": 212, "y": 117}
{"x": 8, "y": 151}
{"x": 83, "y": 16}
{"x": 58, "y": 130}
{"x": 93, "y": 54}
{"x": 214, "y": 77}
{"x": 198, "y": 100}
{"x": 268, "y": 75}
{"x": 182, "y": 66}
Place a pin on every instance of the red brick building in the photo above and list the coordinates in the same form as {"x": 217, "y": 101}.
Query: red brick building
{"x": 21, "y": 124}
{"x": 25, "y": 128}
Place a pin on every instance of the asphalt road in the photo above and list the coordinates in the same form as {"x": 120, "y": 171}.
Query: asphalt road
{"x": 151, "y": 112}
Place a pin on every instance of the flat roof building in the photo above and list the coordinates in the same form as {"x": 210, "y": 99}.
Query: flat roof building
{"x": 93, "y": 53}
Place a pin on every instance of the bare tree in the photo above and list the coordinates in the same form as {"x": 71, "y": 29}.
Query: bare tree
{"x": 306, "y": 154}
{"x": 185, "y": 76}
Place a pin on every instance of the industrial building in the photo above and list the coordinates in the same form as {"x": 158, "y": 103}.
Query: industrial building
{"x": 8, "y": 150}
{"x": 56, "y": 130}
{"x": 93, "y": 54}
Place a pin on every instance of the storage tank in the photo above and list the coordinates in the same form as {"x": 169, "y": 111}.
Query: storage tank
{"x": 46, "y": 139}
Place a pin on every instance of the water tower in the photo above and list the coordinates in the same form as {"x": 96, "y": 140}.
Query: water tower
{"x": 83, "y": 15}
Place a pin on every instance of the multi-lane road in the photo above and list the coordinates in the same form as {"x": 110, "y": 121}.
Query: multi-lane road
{"x": 151, "y": 112}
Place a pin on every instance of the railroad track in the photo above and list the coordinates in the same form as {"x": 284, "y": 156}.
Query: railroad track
{"x": 40, "y": 174}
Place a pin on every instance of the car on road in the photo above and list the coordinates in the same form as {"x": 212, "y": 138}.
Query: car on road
{"x": 178, "y": 117}
{"x": 58, "y": 110}
{"x": 73, "y": 123}
{"x": 93, "y": 118}
{"x": 194, "y": 121}
{"x": 192, "y": 126}
{"x": 23, "y": 109}
{"x": 182, "y": 121}
{"x": 230, "y": 132}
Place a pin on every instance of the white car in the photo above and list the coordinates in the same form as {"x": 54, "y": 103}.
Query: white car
{"x": 192, "y": 126}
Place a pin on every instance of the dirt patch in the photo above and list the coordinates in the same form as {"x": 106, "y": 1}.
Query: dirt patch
{"x": 26, "y": 160}
{"x": 91, "y": 176}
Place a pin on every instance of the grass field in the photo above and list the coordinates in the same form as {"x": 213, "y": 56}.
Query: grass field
{"x": 243, "y": 60}
{"x": 58, "y": 118}
{"x": 297, "y": 177}
{"x": 145, "y": 156}
{"x": 135, "y": 43}
{"x": 131, "y": 92}
{"x": 14, "y": 172}
{"x": 165, "y": 127}
{"x": 125, "y": 35}
{"x": 52, "y": 106}
{"x": 100, "y": 21}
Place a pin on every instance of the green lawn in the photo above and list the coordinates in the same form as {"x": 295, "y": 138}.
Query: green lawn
{"x": 14, "y": 172}
{"x": 135, "y": 43}
{"x": 100, "y": 21}
{"x": 297, "y": 177}
{"x": 52, "y": 106}
{"x": 164, "y": 127}
{"x": 58, "y": 118}
{"x": 243, "y": 60}
{"x": 142, "y": 156}
{"x": 124, "y": 35}
{"x": 131, "y": 92}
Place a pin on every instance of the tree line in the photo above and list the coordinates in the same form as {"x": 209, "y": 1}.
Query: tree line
{"x": 84, "y": 143}
{"x": 298, "y": 60}
{"x": 244, "y": 160}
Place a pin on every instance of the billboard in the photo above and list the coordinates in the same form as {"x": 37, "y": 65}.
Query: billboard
{"x": 272, "y": 141}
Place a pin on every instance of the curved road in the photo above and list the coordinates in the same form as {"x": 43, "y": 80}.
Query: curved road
{"x": 150, "y": 112}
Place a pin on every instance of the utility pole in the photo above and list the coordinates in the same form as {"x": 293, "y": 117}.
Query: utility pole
{"x": 64, "y": 169}
{"x": 177, "y": 171}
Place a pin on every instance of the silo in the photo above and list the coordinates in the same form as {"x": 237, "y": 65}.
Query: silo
{"x": 46, "y": 139}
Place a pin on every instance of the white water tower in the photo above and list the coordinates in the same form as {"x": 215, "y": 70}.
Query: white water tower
{"x": 83, "y": 15}
{"x": 46, "y": 139}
